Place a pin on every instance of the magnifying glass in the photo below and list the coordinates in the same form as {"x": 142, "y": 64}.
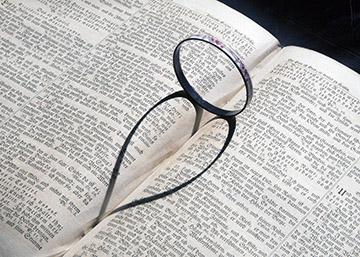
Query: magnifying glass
{"x": 198, "y": 95}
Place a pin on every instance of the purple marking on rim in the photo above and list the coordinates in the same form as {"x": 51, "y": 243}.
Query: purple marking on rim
{"x": 232, "y": 54}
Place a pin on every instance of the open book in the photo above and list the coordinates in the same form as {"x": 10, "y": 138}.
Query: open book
{"x": 76, "y": 76}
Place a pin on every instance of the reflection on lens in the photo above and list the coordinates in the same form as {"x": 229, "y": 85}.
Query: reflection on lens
{"x": 212, "y": 74}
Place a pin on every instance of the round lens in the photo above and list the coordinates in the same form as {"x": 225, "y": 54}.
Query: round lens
{"x": 212, "y": 75}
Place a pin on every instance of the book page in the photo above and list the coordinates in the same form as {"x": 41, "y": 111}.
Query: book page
{"x": 288, "y": 185}
{"x": 75, "y": 77}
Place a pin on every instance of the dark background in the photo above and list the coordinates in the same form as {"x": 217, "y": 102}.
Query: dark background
{"x": 330, "y": 27}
